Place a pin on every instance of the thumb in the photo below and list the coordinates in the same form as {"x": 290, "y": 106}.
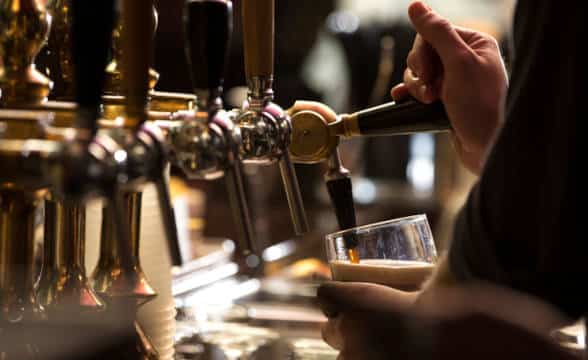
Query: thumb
{"x": 436, "y": 30}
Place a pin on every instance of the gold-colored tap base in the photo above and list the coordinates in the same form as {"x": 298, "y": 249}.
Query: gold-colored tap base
{"x": 312, "y": 141}
{"x": 29, "y": 88}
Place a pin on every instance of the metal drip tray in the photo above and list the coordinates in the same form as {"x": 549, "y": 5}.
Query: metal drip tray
{"x": 230, "y": 341}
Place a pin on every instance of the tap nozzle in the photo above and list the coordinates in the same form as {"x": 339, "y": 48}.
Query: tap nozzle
{"x": 208, "y": 26}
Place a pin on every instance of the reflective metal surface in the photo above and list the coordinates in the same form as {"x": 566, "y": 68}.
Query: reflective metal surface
{"x": 24, "y": 26}
{"x": 64, "y": 287}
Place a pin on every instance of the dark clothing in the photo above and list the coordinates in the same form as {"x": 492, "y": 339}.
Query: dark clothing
{"x": 519, "y": 227}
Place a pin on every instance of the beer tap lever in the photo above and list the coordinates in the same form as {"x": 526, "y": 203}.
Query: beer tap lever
{"x": 395, "y": 118}
{"x": 258, "y": 38}
{"x": 90, "y": 33}
{"x": 147, "y": 151}
{"x": 90, "y": 164}
{"x": 208, "y": 27}
{"x": 315, "y": 139}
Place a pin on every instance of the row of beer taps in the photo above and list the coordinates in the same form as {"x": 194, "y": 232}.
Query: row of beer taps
{"x": 110, "y": 134}
{"x": 107, "y": 133}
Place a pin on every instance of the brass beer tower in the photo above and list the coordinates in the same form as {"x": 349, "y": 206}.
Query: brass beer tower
{"x": 22, "y": 186}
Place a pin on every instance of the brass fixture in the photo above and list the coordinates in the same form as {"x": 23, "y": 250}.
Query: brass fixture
{"x": 314, "y": 139}
{"x": 64, "y": 287}
{"x": 113, "y": 278}
{"x": 123, "y": 284}
{"x": 22, "y": 190}
{"x": 17, "y": 293}
{"x": 24, "y": 25}
{"x": 114, "y": 73}
{"x": 59, "y": 46}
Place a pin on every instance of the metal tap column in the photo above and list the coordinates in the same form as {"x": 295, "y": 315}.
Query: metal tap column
{"x": 258, "y": 41}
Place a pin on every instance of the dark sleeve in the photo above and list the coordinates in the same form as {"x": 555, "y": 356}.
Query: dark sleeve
{"x": 519, "y": 227}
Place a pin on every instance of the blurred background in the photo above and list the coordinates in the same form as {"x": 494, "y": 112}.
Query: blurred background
{"x": 347, "y": 54}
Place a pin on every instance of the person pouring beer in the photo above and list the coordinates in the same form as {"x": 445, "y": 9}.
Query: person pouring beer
{"x": 515, "y": 267}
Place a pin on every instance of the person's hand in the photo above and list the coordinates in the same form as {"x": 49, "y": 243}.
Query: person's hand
{"x": 464, "y": 69}
{"x": 367, "y": 321}
{"x": 364, "y": 318}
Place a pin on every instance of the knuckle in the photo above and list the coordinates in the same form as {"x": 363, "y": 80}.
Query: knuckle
{"x": 491, "y": 41}
{"x": 408, "y": 77}
{"x": 464, "y": 58}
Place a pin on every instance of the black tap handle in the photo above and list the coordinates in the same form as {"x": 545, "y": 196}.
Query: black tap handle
{"x": 406, "y": 117}
{"x": 208, "y": 25}
{"x": 91, "y": 31}
{"x": 339, "y": 187}
{"x": 341, "y": 195}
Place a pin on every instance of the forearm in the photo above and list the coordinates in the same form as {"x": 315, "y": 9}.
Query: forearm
{"x": 444, "y": 293}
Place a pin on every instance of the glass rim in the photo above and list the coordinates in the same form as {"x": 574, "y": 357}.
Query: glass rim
{"x": 396, "y": 221}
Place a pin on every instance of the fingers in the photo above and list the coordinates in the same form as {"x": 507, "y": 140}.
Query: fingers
{"x": 423, "y": 60}
{"x": 436, "y": 31}
{"x": 335, "y": 297}
{"x": 399, "y": 92}
{"x": 322, "y": 109}
{"x": 331, "y": 333}
{"x": 361, "y": 335}
{"x": 423, "y": 92}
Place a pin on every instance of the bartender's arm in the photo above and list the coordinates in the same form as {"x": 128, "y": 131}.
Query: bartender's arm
{"x": 517, "y": 228}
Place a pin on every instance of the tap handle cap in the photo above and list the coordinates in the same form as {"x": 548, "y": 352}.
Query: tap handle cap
{"x": 92, "y": 23}
{"x": 208, "y": 25}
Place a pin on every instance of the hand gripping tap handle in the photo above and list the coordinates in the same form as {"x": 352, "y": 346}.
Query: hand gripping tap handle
{"x": 258, "y": 40}
{"x": 138, "y": 51}
{"x": 208, "y": 28}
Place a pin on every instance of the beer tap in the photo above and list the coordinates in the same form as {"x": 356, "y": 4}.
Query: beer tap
{"x": 118, "y": 278}
{"x": 146, "y": 147}
{"x": 90, "y": 164}
{"x": 206, "y": 145}
{"x": 265, "y": 127}
{"x": 315, "y": 140}
{"x": 63, "y": 287}
{"x": 23, "y": 151}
